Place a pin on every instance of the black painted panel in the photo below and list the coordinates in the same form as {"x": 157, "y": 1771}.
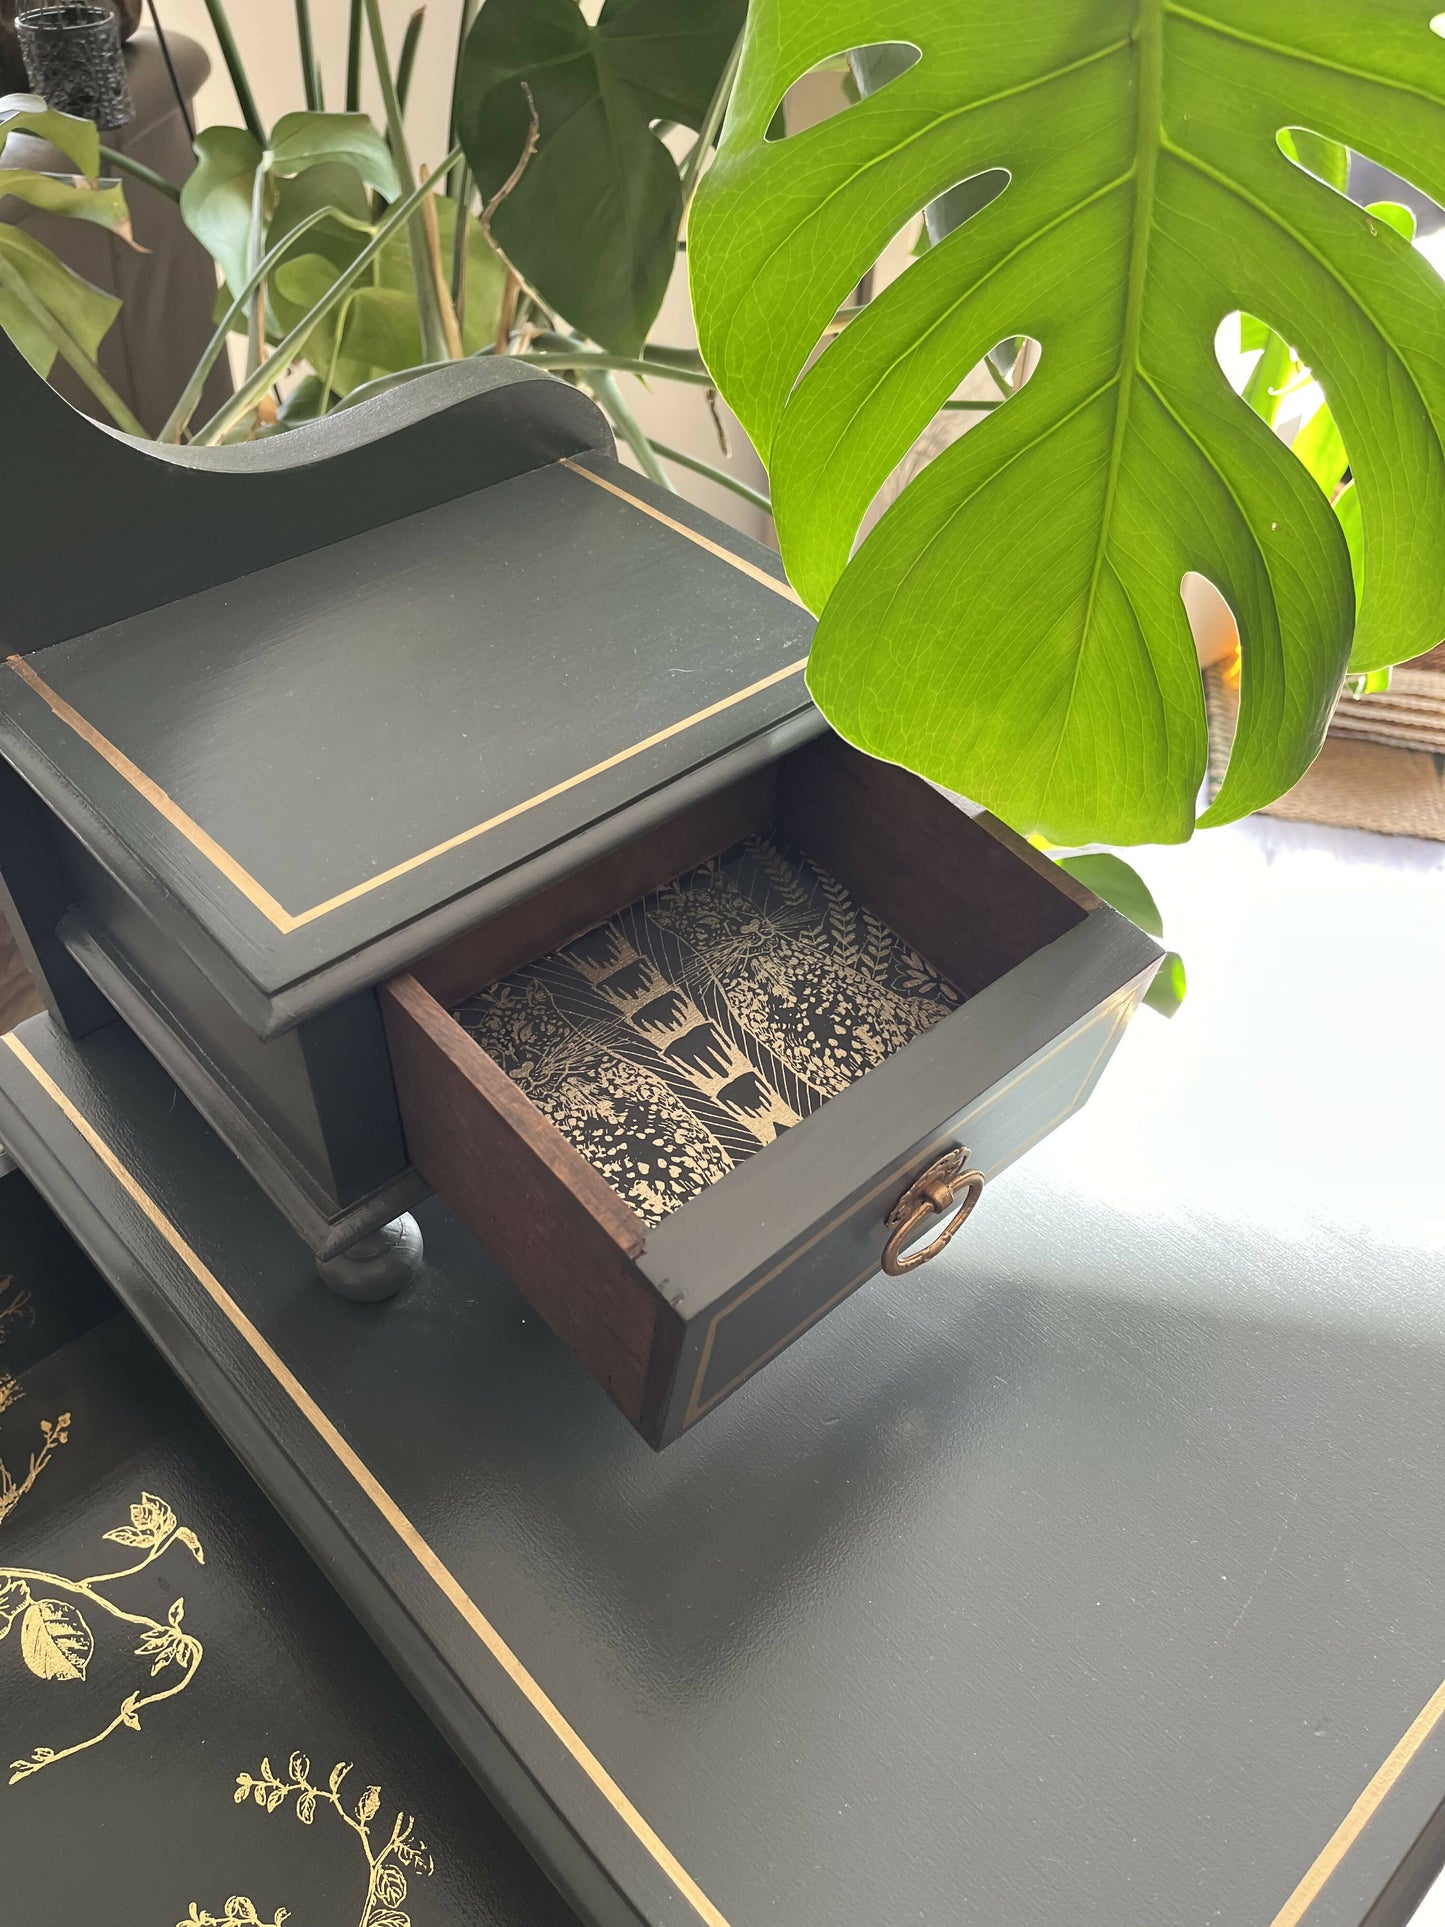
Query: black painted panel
{"x": 233, "y": 1652}
{"x": 340, "y": 714}
{"x": 1065, "y": 1581}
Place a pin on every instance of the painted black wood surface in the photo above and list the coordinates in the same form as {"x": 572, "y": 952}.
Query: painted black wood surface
{"x": 144, "y": 524}
{"x": 130, "y": 1526}
{"x": 313, "y": 706}
{"x": 309, "y": 775}
{"x": 1052, "y": 1584}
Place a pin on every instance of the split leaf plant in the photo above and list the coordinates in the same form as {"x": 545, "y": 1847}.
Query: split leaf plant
{"x": 1012, "y": 627}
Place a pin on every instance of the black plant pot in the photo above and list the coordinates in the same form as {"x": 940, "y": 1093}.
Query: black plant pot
{"x": 73, "y": 59}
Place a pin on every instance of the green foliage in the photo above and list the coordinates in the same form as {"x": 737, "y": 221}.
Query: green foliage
{"x": 47, "y": 309}
{"x": 1013, "y": 627}
{"x": 102, "y": 202}
{"x": 592, "y": 224}
{"x": 1121, "y": 886}
{"x": 28, "y": 114}
{"x": 62, "y": 296}
{"x": 218, "y": 201}
{"x": 375, "y": 332}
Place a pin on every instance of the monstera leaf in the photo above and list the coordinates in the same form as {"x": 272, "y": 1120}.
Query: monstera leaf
{"x": 592, "y": 223}
{"x": 1012, "y": 627}
{"x": 218, "y": 199}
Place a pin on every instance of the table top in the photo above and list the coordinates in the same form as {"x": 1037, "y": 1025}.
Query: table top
{"x": 1092, "y": 1574}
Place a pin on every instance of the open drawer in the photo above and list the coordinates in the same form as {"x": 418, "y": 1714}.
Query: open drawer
{"x": 693, "y": 1094}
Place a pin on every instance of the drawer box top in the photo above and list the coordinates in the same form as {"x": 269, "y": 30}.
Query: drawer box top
{"x": 311, "y": 774}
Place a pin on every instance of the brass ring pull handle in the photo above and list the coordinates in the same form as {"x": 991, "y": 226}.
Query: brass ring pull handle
{"x": 931, "y": 1195}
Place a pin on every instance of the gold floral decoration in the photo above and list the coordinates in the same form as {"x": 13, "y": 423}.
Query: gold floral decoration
{"x": 15, "y": 1309}
{"x": 55, "y": 1638}
{"x": 389, "y": 1862}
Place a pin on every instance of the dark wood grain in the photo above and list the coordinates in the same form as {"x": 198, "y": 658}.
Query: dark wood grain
{"x": 958, "y": 892}
{"x": 514, "y": 1180}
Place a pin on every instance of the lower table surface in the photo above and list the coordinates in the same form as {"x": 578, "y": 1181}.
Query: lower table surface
{"x": 1092, "y": 1576}
{"x": 195, "y": 1729}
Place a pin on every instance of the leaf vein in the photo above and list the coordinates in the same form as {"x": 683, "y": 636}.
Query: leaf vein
{"x": 1300, "y": 55}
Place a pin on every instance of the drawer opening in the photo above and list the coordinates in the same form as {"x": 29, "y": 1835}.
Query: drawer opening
{"x": 684, "y": 1000}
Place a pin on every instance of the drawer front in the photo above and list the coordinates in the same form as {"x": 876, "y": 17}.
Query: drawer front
{"x": 784, "y": 1298}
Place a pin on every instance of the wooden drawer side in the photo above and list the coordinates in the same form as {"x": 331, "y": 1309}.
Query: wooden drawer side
{"x": 541, "y": 1211}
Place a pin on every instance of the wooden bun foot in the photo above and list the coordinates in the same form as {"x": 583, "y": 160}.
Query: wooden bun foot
{"x": 376, "y": 1266}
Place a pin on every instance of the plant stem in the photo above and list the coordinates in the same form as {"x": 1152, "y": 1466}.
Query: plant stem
{"x": 719, "y": 475}
{"x": 712, "y": 120}
{"x": 71, "y": 353}
{"x": 450, "y": 327}
{"x": 138, "y": 171}
{"x": 353, "y": 60}
{"x": 407, "y": 61}
{"x": 604, "y": 385}
{"x": 255, "y": 386}
{"x": 457, "y": 186}
{"x": 433, "y": 337}
{"x": 230, "y": 53}
{"x": 310, "y": 72}
{"x": 584, "y": 361}
{"x": 181, "y": 414}
{"x": 984, "y": 405}
{"x": 256, "y": 248}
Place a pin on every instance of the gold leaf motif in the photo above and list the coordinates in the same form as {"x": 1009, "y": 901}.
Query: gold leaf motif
{"x": 55, "y": 1641}
{"x": 387, "y": 1887}
{"x": 187, "y": 1538}
{"x": 150, "y": 1521}
{"x": 14, "y": 1598}
{"x": 390, "y": 1886}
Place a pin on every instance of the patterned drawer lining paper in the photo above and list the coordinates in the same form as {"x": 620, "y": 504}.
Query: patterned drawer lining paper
{"x": 673, "y": 1041}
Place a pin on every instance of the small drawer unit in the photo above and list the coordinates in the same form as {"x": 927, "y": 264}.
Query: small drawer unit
{"x": 442, "y": 804}
{"x": 709, "y": 1084}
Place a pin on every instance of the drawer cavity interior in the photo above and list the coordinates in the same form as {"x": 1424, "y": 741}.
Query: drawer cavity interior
{"x": 706, "y": 1018}
{"x": 680, "y": 1002}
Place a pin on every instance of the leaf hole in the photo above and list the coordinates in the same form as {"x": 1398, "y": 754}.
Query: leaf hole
{"x": 831, "y": 86}
{"x": 1212, "y": 623}
{"x": 986, "y": 388}
{"x": 1394, "y": 200}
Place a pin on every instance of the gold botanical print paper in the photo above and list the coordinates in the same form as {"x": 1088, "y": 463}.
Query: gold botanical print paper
{"x": 671, "y": 1042}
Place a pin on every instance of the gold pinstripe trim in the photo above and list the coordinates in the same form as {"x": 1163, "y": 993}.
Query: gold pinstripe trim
{"x": 260, "y": 898}
{"x": 441, "y": 1576}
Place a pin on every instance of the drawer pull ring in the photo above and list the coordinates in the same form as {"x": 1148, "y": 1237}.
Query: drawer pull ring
{"x": 937, "y": 1191}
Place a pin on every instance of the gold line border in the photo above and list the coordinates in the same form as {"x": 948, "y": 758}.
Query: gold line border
{"x": 1326, "y": 1862}
{"x": 159, "y": 800}
{"x": 783, "y": 588}
{"x": 1363, "y": 1811}
{"x": 260, "y": 898}
{"x": 1121, "y": 1007}
{"x": 440, "y": 1575}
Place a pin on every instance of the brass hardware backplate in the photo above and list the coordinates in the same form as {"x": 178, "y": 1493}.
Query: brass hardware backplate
{"x": 936, "y": 1192}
